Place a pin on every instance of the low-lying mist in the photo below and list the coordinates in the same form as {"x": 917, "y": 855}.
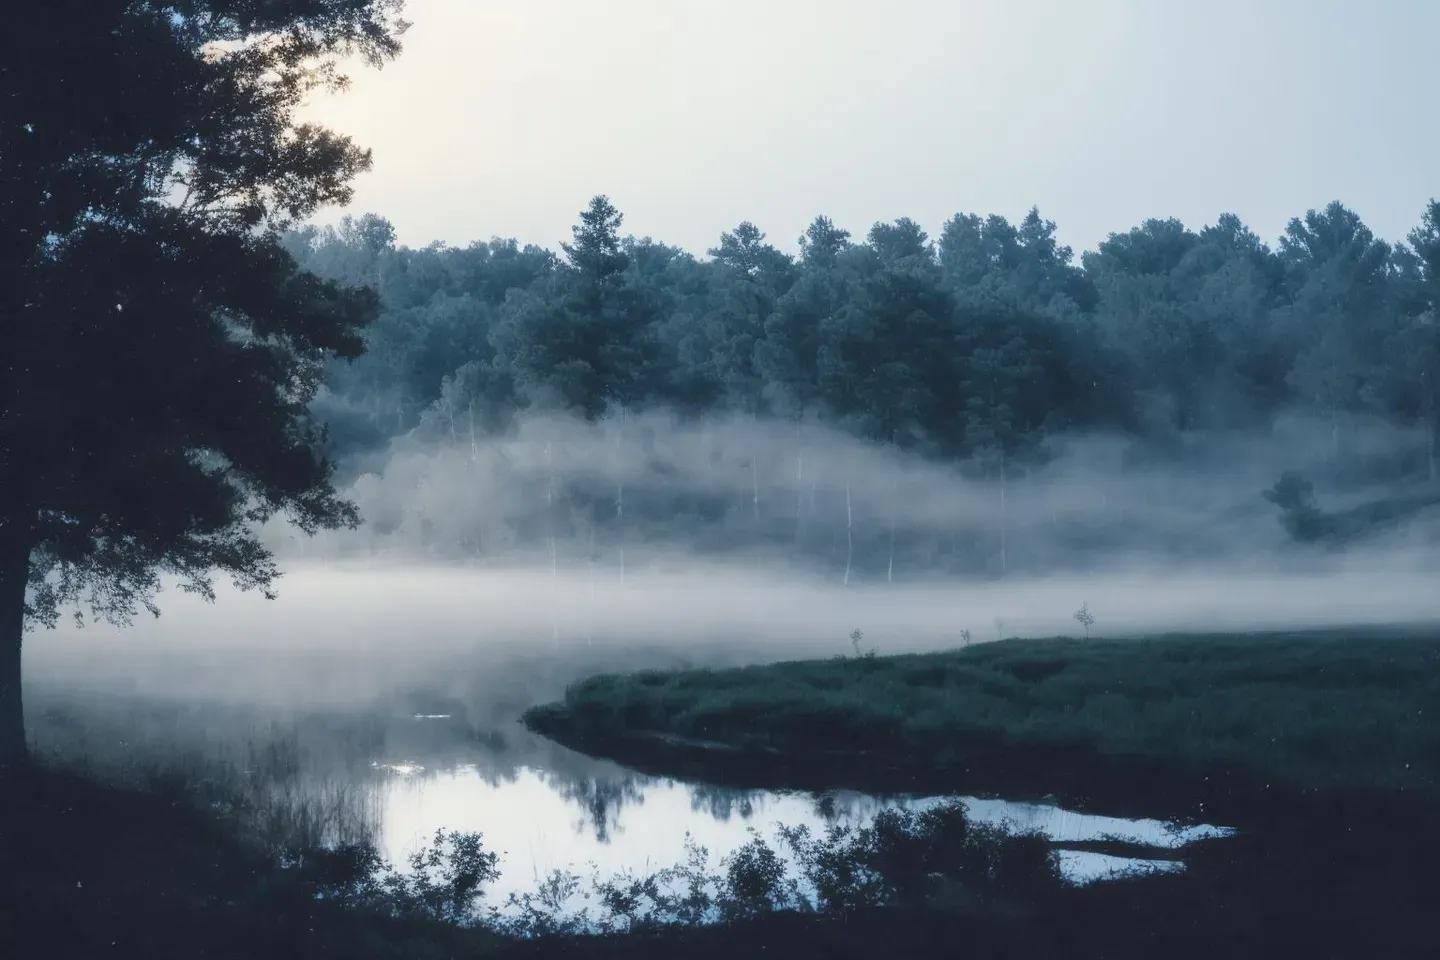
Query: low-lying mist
{"x": 636, "y": 490}
{"x": 566, "y": 547}
{"x": 355, "y": 631}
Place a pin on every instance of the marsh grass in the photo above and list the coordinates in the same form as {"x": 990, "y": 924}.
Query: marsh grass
{"x": 185, "y": 830}
{"x": 280, "y": 783}
{"x": 198, "y": 818}
{"x": 1302, "y": 713}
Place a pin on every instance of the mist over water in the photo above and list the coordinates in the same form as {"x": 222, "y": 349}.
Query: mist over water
{"x": 651, "y": 488}
{"x": 491, "y": 573}
{"x": 351, "y": 631}
{"x": 646, "y": 540}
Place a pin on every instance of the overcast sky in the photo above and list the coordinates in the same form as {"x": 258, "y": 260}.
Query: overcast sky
{"x": 504, "y": 118}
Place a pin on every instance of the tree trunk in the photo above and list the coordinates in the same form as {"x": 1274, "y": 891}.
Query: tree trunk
{"x": 14, "y": 572}
{"x": 590, "y": 615}
{"x": 755, "y": 483}
{"x": 554, "y": 590}
{"x": 1004, "y": 521}
{"x": 894, "y": 492}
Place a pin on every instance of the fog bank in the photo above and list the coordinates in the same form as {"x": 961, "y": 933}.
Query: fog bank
{"x": 351, "y": 631}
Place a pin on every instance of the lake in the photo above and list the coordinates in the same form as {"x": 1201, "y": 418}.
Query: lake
{"x": 398, "y": 692}
{"x": 611, "y": 820}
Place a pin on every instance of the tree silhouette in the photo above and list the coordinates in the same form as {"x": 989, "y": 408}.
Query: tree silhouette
{"x": 161, "y": 347}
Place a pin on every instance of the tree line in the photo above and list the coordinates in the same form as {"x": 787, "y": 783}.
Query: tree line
{"x": 976, "y": 346}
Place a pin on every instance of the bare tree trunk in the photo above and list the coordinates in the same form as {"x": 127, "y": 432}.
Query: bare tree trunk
{"x": 894, "y": 492}
{"x": 799, "y": 486}
{"x": 474, "y": 444}
{"x": 14, "y": 572}
{"x": 755, "y": 482}
{"x": 590, "y": 613}
{"x": 554, "y": 591}
{"x": 1004, "y": 521}
{"x": 799, "y": 470}
{"x": 620, "y": 497}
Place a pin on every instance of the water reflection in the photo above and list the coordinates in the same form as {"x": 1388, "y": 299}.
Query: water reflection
{"x": 397, "y": 772}
{"x": 544, "y": 820}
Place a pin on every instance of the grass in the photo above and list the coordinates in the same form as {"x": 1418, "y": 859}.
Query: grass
{"x": 1174, "y": 726}
{"x": 181, "y": 828}
{"x": 89, "y": 869}
{"x": 160, "y": 840}
{"x": 153, "y": 875}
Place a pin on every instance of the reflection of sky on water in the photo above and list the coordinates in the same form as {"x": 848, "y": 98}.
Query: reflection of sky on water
{"x": 539, "y": 822}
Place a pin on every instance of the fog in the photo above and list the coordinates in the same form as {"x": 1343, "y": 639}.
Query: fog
{"x": 799, "y": 495}
{"x": 569, "y": 585}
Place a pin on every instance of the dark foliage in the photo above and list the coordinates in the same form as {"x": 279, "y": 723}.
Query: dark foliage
{"x": 161, "y": 347}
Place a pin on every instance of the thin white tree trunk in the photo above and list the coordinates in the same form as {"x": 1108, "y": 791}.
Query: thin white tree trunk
{"x": 755, "y": 483}
{"x": 549, "y": 479}
{"x": 894, "y": 492}
{"x": 620, "y": 497}
{"x": 590, "y": 610}
{"x": 620, "y": 484}
{"x": 1004, "y": 520}
{"x": 849, "y": 534}
{"x": 554, "y": 592}
{"x": 474, "y": 443}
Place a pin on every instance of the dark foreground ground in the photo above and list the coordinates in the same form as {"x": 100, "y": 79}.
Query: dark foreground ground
{"x": 88, "y": 870}
{"x": 93, "y": 871}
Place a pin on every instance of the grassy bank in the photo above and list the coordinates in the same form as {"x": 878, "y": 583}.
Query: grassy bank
{"x": 178, "y": 857}
{"x": 1171, "y": 726}
{"x": 93, "y": 870}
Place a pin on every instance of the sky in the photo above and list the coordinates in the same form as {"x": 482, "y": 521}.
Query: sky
{"x": 505, "y": 118}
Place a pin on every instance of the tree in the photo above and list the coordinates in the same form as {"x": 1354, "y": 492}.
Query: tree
{"x": 587, "y": 338}
{"x": 989, "y": 263}
{"x": 161, "y": 346}
{"x": 786, "y": 356}
{"x": 1417, "y": 343}
{"x": 995, "y": 379}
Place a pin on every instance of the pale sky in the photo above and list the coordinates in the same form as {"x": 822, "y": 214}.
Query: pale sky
{"x": 504, "y": 118}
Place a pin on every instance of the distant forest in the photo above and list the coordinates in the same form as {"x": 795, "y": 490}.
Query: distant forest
{"x": 975, "y": 349}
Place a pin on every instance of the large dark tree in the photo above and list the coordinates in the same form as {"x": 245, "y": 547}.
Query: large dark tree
{"x": 158, "y": 346}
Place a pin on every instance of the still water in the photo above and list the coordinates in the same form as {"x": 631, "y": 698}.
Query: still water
{"x": 607, "y": 819}
{"x": 397, "y": 776}
{"x": 403, "y": 690}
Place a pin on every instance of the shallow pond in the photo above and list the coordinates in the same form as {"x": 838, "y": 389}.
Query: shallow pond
{"x": 401, "y": 691}
{"x": 398, "y": 777}
{"x": 605, "y": 819}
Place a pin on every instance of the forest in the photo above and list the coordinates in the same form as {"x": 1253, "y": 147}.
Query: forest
{"x": 728, "y": 384}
